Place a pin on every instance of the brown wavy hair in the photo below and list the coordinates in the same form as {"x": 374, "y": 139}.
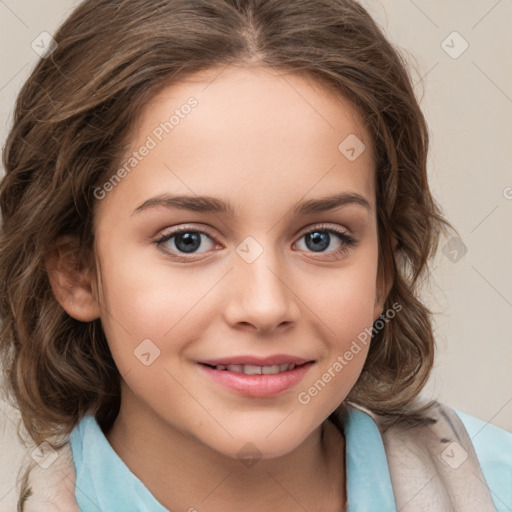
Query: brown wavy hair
{"x": 72, "y": 120}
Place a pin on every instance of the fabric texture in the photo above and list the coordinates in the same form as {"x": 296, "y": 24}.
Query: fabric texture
{"x": 453, "y": 463}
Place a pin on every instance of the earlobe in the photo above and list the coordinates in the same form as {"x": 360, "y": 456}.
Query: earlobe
{"x": 71, "y": 285}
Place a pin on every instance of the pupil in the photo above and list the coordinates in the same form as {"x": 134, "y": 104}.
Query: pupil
{"x": 188, "y": 242}
{"x": 318, "y": 238}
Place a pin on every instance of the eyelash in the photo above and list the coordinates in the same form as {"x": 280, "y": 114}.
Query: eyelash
{"x": 346, "y": 240}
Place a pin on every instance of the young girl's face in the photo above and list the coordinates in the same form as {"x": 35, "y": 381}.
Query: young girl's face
{"x": 247, "y": 281}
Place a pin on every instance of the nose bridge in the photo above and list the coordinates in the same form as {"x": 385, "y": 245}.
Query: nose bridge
{"x": 261, "y": 294}
{"x": 257, "y": 265}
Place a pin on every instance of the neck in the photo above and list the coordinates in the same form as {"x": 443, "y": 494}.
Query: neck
{"x": 182, "y": 473}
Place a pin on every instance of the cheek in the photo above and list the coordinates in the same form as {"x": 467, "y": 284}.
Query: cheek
{"x": 342, "y": 306}
{"x": 344, "y": 299}
{"x": 150, "y": 302}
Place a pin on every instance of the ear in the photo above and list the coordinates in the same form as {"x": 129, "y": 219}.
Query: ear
{"x": 384, "y": 283}
{"x": 71, "y": 284}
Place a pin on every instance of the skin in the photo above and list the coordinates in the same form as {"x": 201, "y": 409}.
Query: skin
{"x": 264, "y": 141}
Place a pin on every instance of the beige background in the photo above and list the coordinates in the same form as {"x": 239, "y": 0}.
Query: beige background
{"x": 468, "y": 104}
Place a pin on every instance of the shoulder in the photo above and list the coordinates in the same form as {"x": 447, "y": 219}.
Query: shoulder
{"x": 493, "y": 447}
{"x": 472, "y": 458}
{"x": 48, "y": 483}
{"x": 488, "y": 439}
{"x": 47, "y": 480}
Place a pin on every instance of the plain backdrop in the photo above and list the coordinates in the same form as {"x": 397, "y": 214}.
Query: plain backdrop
{"x": 459, "y": 52}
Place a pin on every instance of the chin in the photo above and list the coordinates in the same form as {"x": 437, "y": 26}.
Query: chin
{"x": 248, "y": 447}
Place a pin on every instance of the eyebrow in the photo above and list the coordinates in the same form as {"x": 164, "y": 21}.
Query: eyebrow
{"x": 214, "y": 205}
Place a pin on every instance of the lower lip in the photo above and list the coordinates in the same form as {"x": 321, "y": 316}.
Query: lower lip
{"x": 258, "y": 385}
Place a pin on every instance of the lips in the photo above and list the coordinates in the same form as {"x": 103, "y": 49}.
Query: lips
{"x": 257, "y": 376}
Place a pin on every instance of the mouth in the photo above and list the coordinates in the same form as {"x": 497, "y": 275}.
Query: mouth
{"x": 257, "y": 377}
{"x": 251, "y": 369}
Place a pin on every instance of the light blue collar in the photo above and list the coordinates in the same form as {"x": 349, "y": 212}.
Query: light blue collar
{"x": 369, "y": 485}
{"x": 104, "y": 482}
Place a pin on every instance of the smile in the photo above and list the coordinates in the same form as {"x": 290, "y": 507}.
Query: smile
{"x": 250, "y": 369}
{"x": 257, "y": 381}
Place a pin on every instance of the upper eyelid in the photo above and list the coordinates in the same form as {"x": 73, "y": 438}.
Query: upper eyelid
{"x": 206, "y": 231}
{"x": 345, "y": 237}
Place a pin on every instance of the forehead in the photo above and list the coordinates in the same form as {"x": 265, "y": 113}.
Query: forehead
{"x": 252, "y": 133}
{"x": 256, "y": 97}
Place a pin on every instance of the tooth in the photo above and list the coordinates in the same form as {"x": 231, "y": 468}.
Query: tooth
{"x": 269, "y": 370}
{"x": 250, "y": 369}
{"x": 235, "y": 368}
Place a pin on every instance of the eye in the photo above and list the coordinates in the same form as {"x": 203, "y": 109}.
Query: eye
{"x": 184, "y": 241}
{"x": 187, "y": 241}
{"x": 321, "y": 237}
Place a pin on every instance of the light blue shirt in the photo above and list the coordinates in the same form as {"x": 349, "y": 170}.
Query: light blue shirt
{"x": 104, "y": 482}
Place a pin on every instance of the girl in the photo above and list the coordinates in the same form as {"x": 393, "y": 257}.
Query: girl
{"x": 172, "y": 336}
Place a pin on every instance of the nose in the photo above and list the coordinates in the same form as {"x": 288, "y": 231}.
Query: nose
{"x": 261, "y": 295}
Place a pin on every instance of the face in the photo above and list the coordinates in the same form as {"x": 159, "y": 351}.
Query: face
{"x": 198, "y": 295}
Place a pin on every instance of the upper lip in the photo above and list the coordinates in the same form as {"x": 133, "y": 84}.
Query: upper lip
{"x": 256, "y": 360}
